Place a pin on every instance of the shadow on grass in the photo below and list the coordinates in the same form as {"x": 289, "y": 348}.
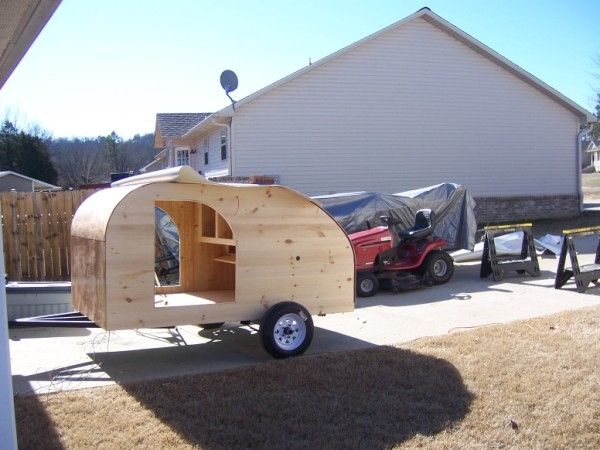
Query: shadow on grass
{"x": 371, "y": 398}
{"x": 230, "y": 394}
{"x": 32, "y": 421}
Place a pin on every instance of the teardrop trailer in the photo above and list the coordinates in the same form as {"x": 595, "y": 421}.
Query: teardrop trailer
{"x": 247, "y": 253}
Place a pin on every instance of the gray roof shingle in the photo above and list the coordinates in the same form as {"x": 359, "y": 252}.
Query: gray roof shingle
{"x": 173, "y": 125}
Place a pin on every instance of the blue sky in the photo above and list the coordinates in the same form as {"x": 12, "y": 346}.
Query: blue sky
{"x": 111, "y": 65}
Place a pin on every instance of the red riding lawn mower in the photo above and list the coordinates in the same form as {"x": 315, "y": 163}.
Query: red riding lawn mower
{"x": 402, "y": 260}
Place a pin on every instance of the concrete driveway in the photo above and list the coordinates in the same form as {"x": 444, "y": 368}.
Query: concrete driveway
{"x": 53, "y": 359}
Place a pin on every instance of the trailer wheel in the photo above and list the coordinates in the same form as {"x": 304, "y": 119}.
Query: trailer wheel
{"x": 286, "y": 330}
{"x": 439, "y": 267}
{"x": 366, "y": 284}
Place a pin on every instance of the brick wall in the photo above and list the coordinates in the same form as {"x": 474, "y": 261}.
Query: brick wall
{"x": 253, "y": 179}
{"x": 516, "y": 209}
{"x": 488, "y": 210}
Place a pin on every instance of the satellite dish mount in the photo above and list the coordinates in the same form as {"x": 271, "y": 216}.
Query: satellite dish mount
{"x": 229, "y": 82}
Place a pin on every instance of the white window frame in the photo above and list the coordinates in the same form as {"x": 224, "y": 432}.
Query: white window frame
{"x": 182, "y": 156}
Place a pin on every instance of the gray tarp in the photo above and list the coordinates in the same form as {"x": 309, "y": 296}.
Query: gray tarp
{"x": 453, "y": 206}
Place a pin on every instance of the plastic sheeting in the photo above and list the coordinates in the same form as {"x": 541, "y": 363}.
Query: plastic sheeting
{"x": 166, "y": 250}
{"x": 511, "y": 244}
{"x": 453, "y": 206}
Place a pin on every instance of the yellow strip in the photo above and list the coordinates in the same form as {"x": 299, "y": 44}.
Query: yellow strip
{"x": 582, "y": 230}
{"x": 504, "y": 227}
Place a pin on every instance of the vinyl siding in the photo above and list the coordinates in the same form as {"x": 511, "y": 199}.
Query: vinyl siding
{"x": 216, "y": 167}
{"x": 10, "y": 182}
{"x": 411, "y": 108}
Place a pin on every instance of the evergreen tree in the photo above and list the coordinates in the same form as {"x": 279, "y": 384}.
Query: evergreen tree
{"x": 114, "y": 152}
{"x": 8, "y": 146}
{"x": 26, "y": 154}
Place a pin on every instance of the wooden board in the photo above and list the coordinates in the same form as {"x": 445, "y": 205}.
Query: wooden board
{"x": 264, "y": 244}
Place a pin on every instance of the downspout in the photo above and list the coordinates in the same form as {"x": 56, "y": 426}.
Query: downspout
{"x": 229, "y": 142}
{"x": 582, "y": 132}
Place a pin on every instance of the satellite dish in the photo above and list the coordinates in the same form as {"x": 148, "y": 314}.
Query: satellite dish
{"x": 229, "y": 81}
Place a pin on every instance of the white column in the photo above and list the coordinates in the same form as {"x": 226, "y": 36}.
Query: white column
{"x": 8, "y": 429}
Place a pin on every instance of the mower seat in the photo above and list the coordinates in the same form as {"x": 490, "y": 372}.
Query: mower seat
{"x": 423, "y": 227}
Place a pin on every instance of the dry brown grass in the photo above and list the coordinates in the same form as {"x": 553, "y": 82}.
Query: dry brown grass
{"x": 535, "y": 384}
{"x": 531, "y": 384}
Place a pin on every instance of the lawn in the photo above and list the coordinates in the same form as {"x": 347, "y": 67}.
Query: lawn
{"x": 530, "y": 384}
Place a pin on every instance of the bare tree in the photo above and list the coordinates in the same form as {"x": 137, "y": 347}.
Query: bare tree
{"x": 79, "y": 161}
{"x": 595, "y": 133}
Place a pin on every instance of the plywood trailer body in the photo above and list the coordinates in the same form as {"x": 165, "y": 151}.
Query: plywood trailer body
{"x": 243, "y": 249}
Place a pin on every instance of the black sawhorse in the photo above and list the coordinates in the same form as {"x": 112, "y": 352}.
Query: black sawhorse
{"x": 526, "y": 261}
{"x": 584, "y": 274}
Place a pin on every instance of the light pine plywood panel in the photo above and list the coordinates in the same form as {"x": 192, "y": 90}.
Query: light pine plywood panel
{"x": 260, "y": 244}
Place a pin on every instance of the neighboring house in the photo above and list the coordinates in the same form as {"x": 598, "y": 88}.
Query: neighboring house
{"x": 21, "y": 183}
{"x": 593, "y": 151}
{"x": 169, "y": 129}
{"x": 586, "y": 154}
{"x": 357, "y": 120}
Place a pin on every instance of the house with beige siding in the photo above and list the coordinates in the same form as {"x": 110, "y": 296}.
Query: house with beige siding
{"x": 357, "y": 120}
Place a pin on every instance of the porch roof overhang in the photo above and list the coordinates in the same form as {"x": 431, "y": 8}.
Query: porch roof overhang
{"x": 214, "y": 121}
{"x": 20, "y": 24}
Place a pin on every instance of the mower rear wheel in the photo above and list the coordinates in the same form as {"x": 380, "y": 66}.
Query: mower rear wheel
{"x": 366, "y": 284}
{"x": 439, "y": 267}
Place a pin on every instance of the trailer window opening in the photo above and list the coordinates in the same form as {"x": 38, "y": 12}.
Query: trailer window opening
{"x": 195, "y": 255}
{"x": 166, "y": 253}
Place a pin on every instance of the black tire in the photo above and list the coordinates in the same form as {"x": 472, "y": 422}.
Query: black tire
{"x": 439, "y": 267}
{"x": 366, "y": 284}
{"x": 287, "y": 330}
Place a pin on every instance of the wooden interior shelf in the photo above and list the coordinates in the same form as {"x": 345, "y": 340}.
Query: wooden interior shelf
{"x": 215, "y": 230}
{"x": 214, "y": 225}
{"x": 228, "y": 258}
{"x": 215, "y": 240}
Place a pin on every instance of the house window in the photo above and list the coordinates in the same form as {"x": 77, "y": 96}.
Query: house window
{"x": 183, "y": 157}
{"x": 223, "y": 145}
{"x": 206, "y": 152}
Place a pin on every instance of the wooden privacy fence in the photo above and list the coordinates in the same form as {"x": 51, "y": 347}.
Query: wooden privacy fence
{"x": 36, "y": 233}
